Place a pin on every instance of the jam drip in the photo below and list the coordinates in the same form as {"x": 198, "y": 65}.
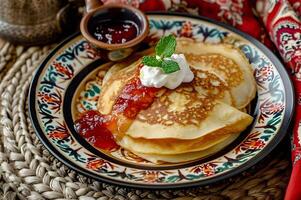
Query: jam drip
{"x": 97, "y": 128}
{"x": 134, "y": 98}
{"x": 92, "y": 126}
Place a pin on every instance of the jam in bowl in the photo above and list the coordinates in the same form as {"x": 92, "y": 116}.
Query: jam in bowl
{"x": 114, "y": 30}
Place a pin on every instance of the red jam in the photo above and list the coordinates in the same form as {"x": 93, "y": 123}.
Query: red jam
{"x": 93, "y": 127}
{"x": 115, "y": 32}
{"x": 97, "y": 128}
{"x": 133, "y": 98}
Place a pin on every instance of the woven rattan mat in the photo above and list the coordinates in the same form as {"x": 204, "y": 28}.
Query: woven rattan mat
{"x": 28, "y": 171}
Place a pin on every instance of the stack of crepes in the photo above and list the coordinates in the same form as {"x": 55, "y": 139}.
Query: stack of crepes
{"x": 194, "y": 120}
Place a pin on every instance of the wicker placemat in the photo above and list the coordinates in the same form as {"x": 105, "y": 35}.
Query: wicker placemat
{"x": 28, "y": 171}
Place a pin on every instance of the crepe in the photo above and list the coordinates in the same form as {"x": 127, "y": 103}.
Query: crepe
{"x": 184, "y": 157}
{"x": 128, "y": 62}
{"x": 226, "y": 62}
{"x": 185, "y": 123}
{"x": 173, "y": 146}
{"x": 190, "y": 111}
{"x": 194, "y": 120}
{"x": 222, "y": 60}
{"x": 113, "y": 83}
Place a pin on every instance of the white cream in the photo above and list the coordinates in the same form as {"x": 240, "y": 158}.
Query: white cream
{"x": 155, "y": 77}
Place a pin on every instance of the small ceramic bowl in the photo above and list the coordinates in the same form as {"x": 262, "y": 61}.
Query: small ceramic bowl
{"x": 111, "y": 12}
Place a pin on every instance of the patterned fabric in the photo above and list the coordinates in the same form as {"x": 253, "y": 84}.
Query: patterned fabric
{"x": 238, "y": 13}
{"x": 296, "y": 4}
{"x": 284, "y": 28}
{"x": 278, "y": 20}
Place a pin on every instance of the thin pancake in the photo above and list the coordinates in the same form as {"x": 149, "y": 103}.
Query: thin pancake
{"x": 184, "y": 123}
{"x": 183, "y": 113}
{"x": 225, "y": 61}
{"x": 121, "y": 65}
{"x": 112, "y": 85}
{"x": 158, "y": 159}
{"x": 169, "y": 146}
{"x": 192, "y": 110}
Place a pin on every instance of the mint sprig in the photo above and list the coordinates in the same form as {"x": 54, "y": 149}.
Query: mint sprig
{"x": 164, "y": 49}
{"x": 169, "y": 66}
{"x": 166, "y": 46}
{"x": 151, "y": 61}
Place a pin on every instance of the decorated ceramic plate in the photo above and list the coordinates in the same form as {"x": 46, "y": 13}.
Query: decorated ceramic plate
{"x": 68, "y": 83}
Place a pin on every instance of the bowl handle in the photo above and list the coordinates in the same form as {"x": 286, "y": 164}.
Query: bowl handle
{"x": 92, "y": 4}
{"x": 62, "y": 16}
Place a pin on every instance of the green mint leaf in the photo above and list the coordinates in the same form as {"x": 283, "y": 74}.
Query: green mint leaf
{"x": 169, "y": 66}
{"x": 166, "y": 46}
{"x": 151, "y": 61}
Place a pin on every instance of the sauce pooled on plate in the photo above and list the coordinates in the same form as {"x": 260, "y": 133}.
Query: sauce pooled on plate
{"x": 97, "y": 129}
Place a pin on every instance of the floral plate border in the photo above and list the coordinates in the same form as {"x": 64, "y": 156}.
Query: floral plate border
{"x": 274, "y": 108}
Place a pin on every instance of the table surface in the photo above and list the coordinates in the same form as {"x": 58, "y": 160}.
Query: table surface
{"x": 1, "y": 42}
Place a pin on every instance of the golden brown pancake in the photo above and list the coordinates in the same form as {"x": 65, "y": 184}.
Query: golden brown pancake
{"x": 225, "y": 61}
{"x": 194, "y": 117}
{"x": 188, "y": 112}
{"x": 187, "y": 123}
{"x": 184, "y": 157}
{"x": 168, "y": 146}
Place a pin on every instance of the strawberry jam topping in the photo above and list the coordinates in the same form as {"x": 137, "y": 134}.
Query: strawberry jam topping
{"x": 93, "y": 127}
{"x": 97, "y": 128}
{"x": 134, "y": 98}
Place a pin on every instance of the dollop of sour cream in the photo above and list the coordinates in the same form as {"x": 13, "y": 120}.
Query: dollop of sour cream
{"x": 155, "y": 77}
